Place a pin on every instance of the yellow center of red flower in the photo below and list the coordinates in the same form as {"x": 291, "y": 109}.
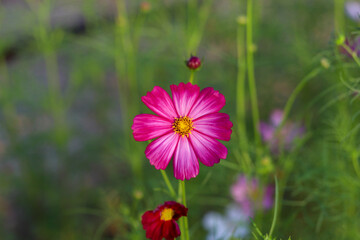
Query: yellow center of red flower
{"x": 167, "y": 214}
{"x": 183, "y": 126}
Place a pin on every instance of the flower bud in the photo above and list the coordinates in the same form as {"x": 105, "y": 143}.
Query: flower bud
{"x": 340, "y": 40}
{"x": 145, "y": 7}
{"x": 193, "y": 63}
{"x": 242, "y": 20}
{"x": 325, "y": 63}
{"x": 138, "y": 194}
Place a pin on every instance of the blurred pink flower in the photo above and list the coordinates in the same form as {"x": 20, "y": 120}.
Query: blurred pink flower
{"x": 186, "y": 127}
{"x": 352, "y": 9}
{"x": 251, "y": 196}
{"x": 285, "y": 137}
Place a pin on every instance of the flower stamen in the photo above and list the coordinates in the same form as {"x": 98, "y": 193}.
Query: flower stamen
{"x": 167, "y": 214}
{"x": 183, "y": 126}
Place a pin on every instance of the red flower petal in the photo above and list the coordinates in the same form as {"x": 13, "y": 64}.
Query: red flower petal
{"x": 179, "y": 209}
{"x": 171, "y": 230}
{"x": 157, "y": 229}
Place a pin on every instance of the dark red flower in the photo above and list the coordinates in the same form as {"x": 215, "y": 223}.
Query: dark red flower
{"x": 193, "y": 63}
{"x": 161, "y": 222}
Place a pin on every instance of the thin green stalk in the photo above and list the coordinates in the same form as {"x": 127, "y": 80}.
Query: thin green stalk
{"x": 125, "y": 62}
{"x": 47, "y": 41}
{"x": 168, "y": 184}
{"x": 240, "y": 84}
{"x": 128, "y": 68}
{"x": 186, "y": 225}
{"x": 197, "y": 18}
{"x": 182, "y": 220}
{"x": 182, "y": 236}
{"x": 355, "y": 161}
{"x": 296, "y": 91}
{"x": 250, "y": 70}
{"x": 339, "y": 17}
{"x": 191, "y": 24}
{"x": 191, "y": 79}
{"x": 352, "y": 53}
{"x": 57, "y": 105}
{"x": 273, "y": 224}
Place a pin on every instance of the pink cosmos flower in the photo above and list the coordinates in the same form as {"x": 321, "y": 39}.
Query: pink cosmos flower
{"x": 186, "y": 127}
{"x": 250, "y": 196}
{"x": 352, "y": 9}
{"x": 284, "y": 138}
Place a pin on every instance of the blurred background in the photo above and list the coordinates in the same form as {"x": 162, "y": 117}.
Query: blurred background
{"x": 71, "y": 76}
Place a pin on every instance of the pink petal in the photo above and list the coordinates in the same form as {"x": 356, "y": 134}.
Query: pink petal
{"x": 208, "y": 150}
{"x": 266, "y": 131}
{"x": 186, "y": 165}
{"x": 184, "y": 97}
{"x": 239, "y": 190}
{"x": 147, "y": 126}
{"x": 209, "y": 101}
{"x": 215, "y": 125}
{"x": 276, "y": 117}
{"x": 160, "y": 151}
{"x": 159, "y": 101}
{"x": 268, "y": 201}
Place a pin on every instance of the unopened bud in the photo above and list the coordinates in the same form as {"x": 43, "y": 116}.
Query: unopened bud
{"x": 193, "y": 63}
{"x": 340, "y": 40}
{"x": 325, "y": 63}
{"x": 242, "y": 20}
{"x": 145, "y": 7}
{"x": 138, "y": 194}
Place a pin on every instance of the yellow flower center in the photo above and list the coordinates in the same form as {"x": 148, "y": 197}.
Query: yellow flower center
{"x": 167, "y": 214}
{"x": 183, "y": 126}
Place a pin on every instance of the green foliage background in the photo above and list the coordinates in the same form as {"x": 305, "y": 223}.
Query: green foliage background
{"x": 69, "y": 167}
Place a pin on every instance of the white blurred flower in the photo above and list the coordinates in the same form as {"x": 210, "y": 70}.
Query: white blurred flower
{"x": 233, "y": 224}
{"x": 352, "y": 9}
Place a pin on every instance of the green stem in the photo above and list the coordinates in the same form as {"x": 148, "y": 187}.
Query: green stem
{"x": 57, "y": 105}
{"x": 126, "y": 71}
{"x": 44, "y": 38}
{"x": 296, "y": 91}
{"x": 182, "y": 220}
{"x": 276, "y": 207}
{"x": 355, "y": 162}
{"x": 191, "y": 79}
{"x": 250, "y": 69}
{"x": 126, "y": 51}
{"x": 352, "y": 53}
{"x": 197, "y": 18}
{"x": 183, "y": 196}
{"x": 168, "y": 184}
{"x": 191, "y": 25}
{"x": 339, "y": 16}
{"x": 240, "y": 88}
